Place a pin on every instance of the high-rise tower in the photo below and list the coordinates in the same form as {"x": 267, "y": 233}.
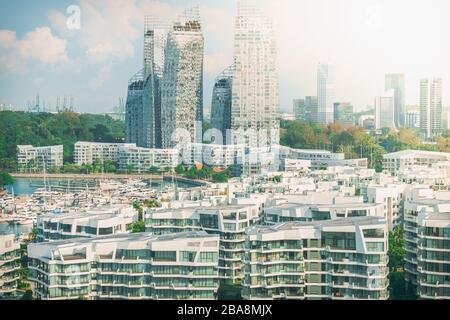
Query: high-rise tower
{"x": 182, "y": 82}
{"x": 325, "y": 93}
{"x": 430, "y": 107}
{"x": 396, "y": 82}
{"x": 255, "y": 104}
{"x": 221, "y": 102}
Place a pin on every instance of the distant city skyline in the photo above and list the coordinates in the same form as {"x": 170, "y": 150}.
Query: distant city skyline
{"x": 363, "y": 39}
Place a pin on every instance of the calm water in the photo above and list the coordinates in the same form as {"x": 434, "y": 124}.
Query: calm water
{"x": 22, "y": 186}
{"x": 16, "y": 229}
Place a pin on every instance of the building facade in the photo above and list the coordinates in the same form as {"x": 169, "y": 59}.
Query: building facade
{"x": 396, "y": 82}
{"x": 255, "y": 106}
{"x": 134, "y": 109}
{"x": 88, "y": 224}
{"x": 395, "y": 162}
{"x": 384, "y": 111}
{"x": 221, "y": 104}
{"x": 88, "y": 152}
{"x": 136, "y": 159}
{"x": 427, "y": 243}
{"x": 325, "y": 93}
{"x": 306, "y": 109}
{"x": 29, "y": 157}
{"x": 10, "y": 257}
{"x": 344, "y": 259}
{"x": 430, "y": 107}
{"x": 132, "y": 267}
{"x": 343, "y": 114}
{"x": 182, "y": 83}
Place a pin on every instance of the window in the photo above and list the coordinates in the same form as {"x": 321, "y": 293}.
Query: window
{"x": 208, "y": 256}
{"x": 165, "y": 256}
{"x": 373, "y": 233}
{"x": 375, "y": 246}
{"x": 339, "y": 240}
{"x": 188, "y": 256}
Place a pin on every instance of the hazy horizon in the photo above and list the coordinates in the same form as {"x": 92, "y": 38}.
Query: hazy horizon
{"x": 363, "y": 39}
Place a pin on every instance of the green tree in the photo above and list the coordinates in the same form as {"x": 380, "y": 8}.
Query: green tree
{"x": 396, "y": 248}
{"x": 151, "y": 203}
{"x": 153, "y": 170}
{"x": 179, "y": 169}
{"x": 109, "y": 167}
{"x": 138, "y": 226}
{"x": 6, "y": 179}
{"x": 220, "y": 177}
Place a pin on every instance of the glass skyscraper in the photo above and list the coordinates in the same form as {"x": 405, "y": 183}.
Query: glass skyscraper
{"x": 255, "y": 104}
{"x": 396, "y": 82}
{"x": 221, "y": 103}
{"x": 182, "y": 83}
{"x": 325, "y": 93}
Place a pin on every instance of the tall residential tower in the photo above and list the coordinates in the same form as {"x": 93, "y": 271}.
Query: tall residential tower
{"x": 255, "y": 105}
{"x": 221, "y": 103}
{"x": 430, "y": 107}
{"x": 182, "y": 83}
{"x": 396, "y": 82}
{"x": 325, "y": 93}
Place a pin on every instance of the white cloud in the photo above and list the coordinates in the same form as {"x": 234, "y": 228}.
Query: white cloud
{"x": 216, "y": 63}
{"x": 101, "y": 77}
{"x": 39, "y": 45}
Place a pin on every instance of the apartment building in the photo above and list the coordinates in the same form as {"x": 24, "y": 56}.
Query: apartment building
{"x": 87, "y": 152}
{"x": 396, "y": 162}
{"x": 343, "y": 259}
{"x": 126, "y": 266}
{"x": 321, "y": 159}
{"x": 91, "y": 223}
{"x": 229, "y": 222}
{"x": 30, "y": 157}
{"x": 9, "y": 265}
{"x": 392, "y": 198}
{"x": 140, "y": 160}
{"x": 286, "y": 212}
{"x": 427, "y": 243}
{"x": 215, "y": 155}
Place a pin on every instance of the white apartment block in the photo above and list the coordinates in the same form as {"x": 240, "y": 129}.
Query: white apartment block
{"x": 229, "y": 222}
{"x": 9, "y": 265}
{"x": 392, "y": 198}
{"x": 321, "y": 159}
{"x": 127, "y": 266}
{"x": 87, "y": 152}
{"x": 287, "y": 212}
{"x": 427, "y": 243}
{"x": 29, "y": 157}
{"x": 142, "y": 159}
{"x": 343, "y": 259}
{"x": 214, "y": 155}
{"x": 395, "y": 162}
{"x": 91, "y": 223}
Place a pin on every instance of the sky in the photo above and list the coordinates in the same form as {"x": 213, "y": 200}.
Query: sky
{"x": 363, "y": 39}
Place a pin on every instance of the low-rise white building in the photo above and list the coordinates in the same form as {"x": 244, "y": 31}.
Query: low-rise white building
{"x": 140, "y": 160}
{"x": 396, "y": 162}
{"x": 106, "y": 220}
{"x": 30, "y": 157}
{"x": 87, "y": 152}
